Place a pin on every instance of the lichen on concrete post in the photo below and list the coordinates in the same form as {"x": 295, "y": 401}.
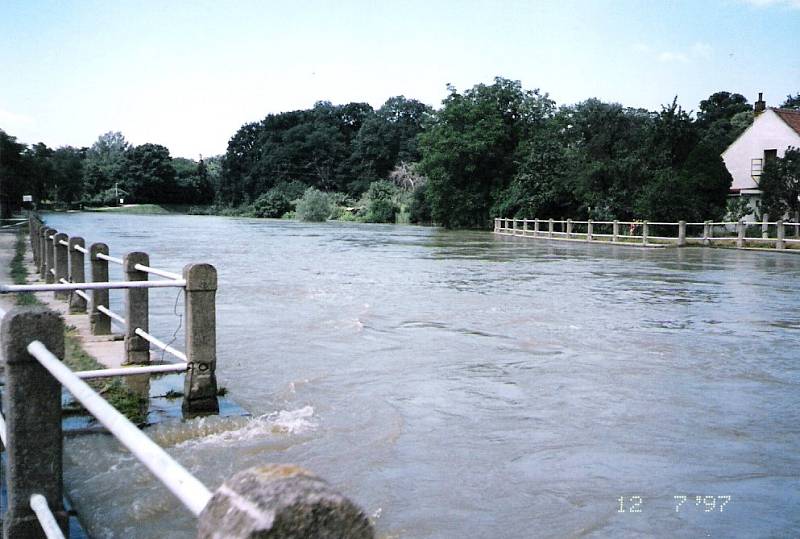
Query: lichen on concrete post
{"x": 281, "y": 501}
{"x": 200, "y": 385}
{"x": 779, "y": 243}
{"x": 100, "y": 322}
{"x": 32, "y": 407}
{"x": 49, "y": 275}
{"x": 137, "y": 310}
{"x": 77, "y": 274}
{"x": 681, "y": 233}
{"x": 740, "y": 234}
{"x": 61, "y": 263}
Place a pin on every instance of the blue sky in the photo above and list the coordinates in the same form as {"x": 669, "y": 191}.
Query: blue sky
{"x": 188, "y": 74}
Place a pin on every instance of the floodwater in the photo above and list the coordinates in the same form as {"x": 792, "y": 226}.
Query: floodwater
{"x": 458, "y": 384}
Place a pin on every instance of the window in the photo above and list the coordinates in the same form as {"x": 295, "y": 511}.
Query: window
{"x": 770, "y": 155}
{"x": 756, "y": 166}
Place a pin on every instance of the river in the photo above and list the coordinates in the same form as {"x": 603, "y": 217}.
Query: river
{"x": 458, "y": 384}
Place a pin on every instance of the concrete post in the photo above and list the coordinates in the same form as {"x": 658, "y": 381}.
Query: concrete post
{"x": 49, "y": 277}
{"x": 550, "y": 228}
{"x": 137, "y": 310}
{"x": 740, "y": 234}
{"x": 200, "y": 384}
{"x": 42, "y": 252}
{"x": 681, "y": 233}
{"x": 100, "y": 322}
{"x": 77, "y": 274}
{"x": 32, "y": 407}
{"x": 569, "y": 228}
{"x": 496, "y": 222}
{"x": 535, "y": 227}
{"x": 765, "y": 226}
{"x": 280, "y": 500}
{"x": 645, "y": 232}
{"x": 33, "y": 233}
{"x": 61, "y": 263}
{"x": 707, "y": 234}
{"x": 514, "y": 226}
{"x": 589, "y": 230}
{"x": 615, "y": 231}
{"x": 781, "y": 236}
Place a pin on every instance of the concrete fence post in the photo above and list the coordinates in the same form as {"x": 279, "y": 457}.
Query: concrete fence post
{"x": 569, "y": 228}
{"x": 765, "y": 226}
{"x": 550, "y": 228}
{"x": 280, "y": 500}
{"x": 645, "y": 232}
{"x": 740, "y": 234}
{"x": 514, "y": 226}
{"x": 524, "y": 227}
{"x": 779, "y": 244}
{"x": 32, "y": 408}
{"x": 77, "y": 274}
{"x": 200, "y": 384}
{"x": 100, "y": 322}
{"x": 589, "y": 230}
{"x": 137, "y": 310}
{"x": 707, "y": 233}
{"x": 535, "y": 227}
{"x": 42, "y": 253}
{"x": 33, "y": 233}
{"x": 615, "y": 231}
{"x": 49, "y": 276}
{"x": 681, "y": 233}
{"x": 61, "y": 263}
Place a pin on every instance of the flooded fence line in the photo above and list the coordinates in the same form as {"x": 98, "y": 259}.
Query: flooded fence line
{"x": 764, "y": 235}
{"x": 274, "y": 500}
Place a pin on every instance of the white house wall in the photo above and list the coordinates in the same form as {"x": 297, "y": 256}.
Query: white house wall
{"x": 767, "y": 132}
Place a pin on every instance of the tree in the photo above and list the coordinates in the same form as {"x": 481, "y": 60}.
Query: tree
{"x": 104, "y": 162}
{"x": 67, "y": 174}
{"x": 469, "y": 152}
{"x": 721, "y": 106}
{"x": 314, "y": 206}
{"x": 780, "y": 184}
{"x": 792, "y": 102}
{"x": 148, "y": 173}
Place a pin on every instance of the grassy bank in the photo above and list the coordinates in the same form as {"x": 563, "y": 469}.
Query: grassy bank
{"x": 145, "y": 209}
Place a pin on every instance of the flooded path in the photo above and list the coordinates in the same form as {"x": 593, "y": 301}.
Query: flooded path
{"x": 457, "y": 384}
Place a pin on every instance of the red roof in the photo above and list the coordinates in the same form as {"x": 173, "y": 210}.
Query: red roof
{"x": 791, "y": 117}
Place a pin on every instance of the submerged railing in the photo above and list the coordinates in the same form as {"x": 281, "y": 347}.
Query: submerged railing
{"x": 740, "y": 234}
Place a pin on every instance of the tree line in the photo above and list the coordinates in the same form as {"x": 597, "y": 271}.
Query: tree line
{"x": 492, "y": 150}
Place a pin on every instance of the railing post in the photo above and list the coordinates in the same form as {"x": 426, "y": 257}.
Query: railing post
{"x": 707, "y": 233}
{"x": 781, "y": 235}
{"x": 42, "y": 267}
{"x": 524, "y": 227}
{"x": 550, "y": 228}
{"x": 681, "y": 233}
{"x": 280, "y": 500}
{"x": 100, "y": 322}
{"x": 33, "y": 233}
{"x": 200, "y": 384}
{"x": 765, "y": 226}
{"x": 61, "y": 263}
{"x": 645, "y": 232}
{"x": 496, "y": 224}
{"x": 615, "y": 231}
{"x": 48, "y": 277}
{"x": 514, "y": 226}
{"x": 77, "y": 274}
{"x": 535, "y": 227}
{"x": 589, "y": 230}
{"x": 569, "y": 228}
{"x": 137, "y": 310}
{"x": 740, "y": 234}
{"x": 32, "y": 407}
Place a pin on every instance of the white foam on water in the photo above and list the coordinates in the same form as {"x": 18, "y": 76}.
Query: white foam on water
{"x": 283, "y": 422}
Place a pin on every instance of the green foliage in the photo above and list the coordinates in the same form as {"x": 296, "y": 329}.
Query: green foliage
{"x": 780, "y": 184}
{"x": 314, "y": 206}
{"x": 792, "y": 102}
{"x": 737, "y": 208}
{"x": 279, "y": 199}
{"x": 380, "y": 202}
{"x": 18, "y": 271}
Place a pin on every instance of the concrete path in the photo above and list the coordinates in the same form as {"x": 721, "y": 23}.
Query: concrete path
{"x": 7, "y": 244}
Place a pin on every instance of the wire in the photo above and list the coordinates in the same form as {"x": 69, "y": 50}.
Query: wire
{"x": 180, "y": 322}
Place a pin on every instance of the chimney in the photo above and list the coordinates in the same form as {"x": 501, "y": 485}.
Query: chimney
{"x": 760, "y": 105}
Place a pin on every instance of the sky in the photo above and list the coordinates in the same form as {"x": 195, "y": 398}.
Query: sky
{"x": 188, "y": 74}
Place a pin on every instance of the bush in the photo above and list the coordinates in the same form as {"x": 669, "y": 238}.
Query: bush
{"x": 315, "y": 206}
{"x": 419, "y": 208}
{"x": 278, "y": 200}
{"x": 380, "y": 202}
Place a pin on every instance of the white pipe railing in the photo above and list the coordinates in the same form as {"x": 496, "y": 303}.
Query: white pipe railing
{"x": 82, "y": 249}
{"x": 111, "y": 314}
{"x": 191, "y": 492}
{"x": 45, "y": 516}
{"x": 113, "y": 259}
{"x": 91, "y": 286}
{"x": 161, "y": 273}
{"x": 130, "y": 371}
{"x": 161, "y": 344}
{"x": 3, "y": 429}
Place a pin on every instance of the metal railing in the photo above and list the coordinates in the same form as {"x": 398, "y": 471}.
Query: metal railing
{"x": 31, "y": 339}
{"x": 60, "y": 261}
{"x": 740, "y": 234}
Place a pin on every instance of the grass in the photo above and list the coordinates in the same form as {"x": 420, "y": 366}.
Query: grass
{"x": 145, "y": 209}
{"x": 19, "y": 274}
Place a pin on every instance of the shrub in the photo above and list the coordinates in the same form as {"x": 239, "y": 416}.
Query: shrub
{"x": 380, "y": 202}
{"x": 315, "y": 206}
{"x": 278, "y": 200}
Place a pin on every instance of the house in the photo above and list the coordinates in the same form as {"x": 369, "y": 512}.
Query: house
{"x": 773, "y": 131}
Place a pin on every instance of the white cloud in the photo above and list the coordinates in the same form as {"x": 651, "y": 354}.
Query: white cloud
{"x": 794, "y": 4}
{"x": 702, "y": 50}
{"x": 670, "y": 57}
{"x": 11, "y": 120}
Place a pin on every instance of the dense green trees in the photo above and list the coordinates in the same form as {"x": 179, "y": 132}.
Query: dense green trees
{"x": 780, "y": 183}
